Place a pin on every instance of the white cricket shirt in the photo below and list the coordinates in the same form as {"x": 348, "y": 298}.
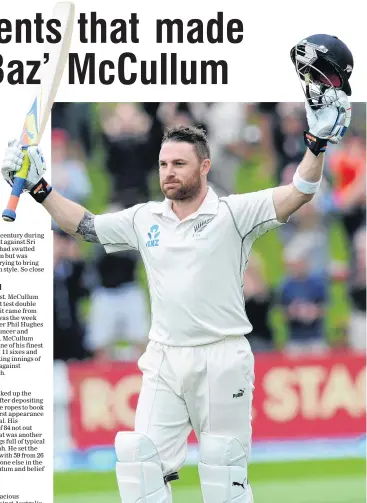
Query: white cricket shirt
{"x": 195, "y": 266}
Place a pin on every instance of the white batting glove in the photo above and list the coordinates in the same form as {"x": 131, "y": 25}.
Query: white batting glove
{"x": 12, "y": 163}
{"x": 332, "y": 121}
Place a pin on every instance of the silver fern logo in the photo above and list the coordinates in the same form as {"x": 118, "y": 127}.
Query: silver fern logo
{"x": 199, "y": 227}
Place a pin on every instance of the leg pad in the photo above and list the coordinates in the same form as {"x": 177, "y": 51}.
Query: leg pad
{"x": 223, "y": 470}
{"x": 139, "y": 471}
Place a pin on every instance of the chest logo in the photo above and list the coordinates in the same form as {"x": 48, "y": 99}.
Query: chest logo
{"x": 199, "y": 227}
{"x": 153, "y": 236}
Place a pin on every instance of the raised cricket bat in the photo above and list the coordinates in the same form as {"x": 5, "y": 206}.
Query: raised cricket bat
{"x": 40, "y": 110}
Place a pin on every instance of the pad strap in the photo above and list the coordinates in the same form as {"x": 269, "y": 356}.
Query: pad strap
{"x": 171, "y": 476}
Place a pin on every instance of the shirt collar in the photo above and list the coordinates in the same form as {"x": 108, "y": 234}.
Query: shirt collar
{"x": 208, "y": 207}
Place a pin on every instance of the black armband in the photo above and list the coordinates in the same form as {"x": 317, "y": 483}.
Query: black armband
{"x": 40, "y": 191}
{"x": 316, "y": 145}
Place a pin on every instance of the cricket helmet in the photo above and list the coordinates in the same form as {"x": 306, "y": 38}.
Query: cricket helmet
{"x": 322, "y": 62}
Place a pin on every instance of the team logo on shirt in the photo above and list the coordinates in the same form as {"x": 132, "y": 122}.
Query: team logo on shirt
{"x": 153, "y": 236}
{"x": 199, "y": 227}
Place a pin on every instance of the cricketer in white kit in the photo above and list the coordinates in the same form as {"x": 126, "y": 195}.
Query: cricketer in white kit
{"x": 198, "y": 370}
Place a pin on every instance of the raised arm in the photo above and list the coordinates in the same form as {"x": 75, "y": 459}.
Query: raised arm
{"x": 326, "y": 124}
{"x": 287, "y": 198}
{"x": 115, "y": 231}
{"x": 71, "y": 217}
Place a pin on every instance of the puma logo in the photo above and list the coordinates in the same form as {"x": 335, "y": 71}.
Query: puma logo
{"x": 239, "y": 484}
{"x": 239, "y": 394}
{"x": 39, "y": 189}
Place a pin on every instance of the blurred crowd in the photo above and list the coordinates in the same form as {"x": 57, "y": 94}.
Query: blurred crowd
{"x": 104, "y": 156}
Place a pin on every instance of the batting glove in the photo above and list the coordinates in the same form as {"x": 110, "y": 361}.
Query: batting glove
{"x": 332, "y": 121}
{"x": 12, "y": 163}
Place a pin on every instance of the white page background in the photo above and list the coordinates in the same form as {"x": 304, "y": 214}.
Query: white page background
{"x": 260, "y": 69}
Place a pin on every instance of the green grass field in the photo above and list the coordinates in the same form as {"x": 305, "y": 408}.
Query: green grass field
{"x": 336, "y": 481}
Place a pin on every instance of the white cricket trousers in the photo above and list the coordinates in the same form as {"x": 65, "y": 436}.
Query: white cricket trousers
{"x": 206, "y": 388}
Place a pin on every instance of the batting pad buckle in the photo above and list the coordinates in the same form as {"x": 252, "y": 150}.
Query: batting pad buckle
{"x": 170, "y": 477}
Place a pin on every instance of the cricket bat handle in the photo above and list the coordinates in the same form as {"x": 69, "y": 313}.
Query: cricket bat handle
{"x": 9, "y": 214}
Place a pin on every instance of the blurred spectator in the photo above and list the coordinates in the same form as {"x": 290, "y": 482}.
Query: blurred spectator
{"x": 282, "y": 126}
{"x": 225, "y": 128}
{"x": 62, "y": 395}
{"x": 311, "y": 223}
{"x": 152, "y": 109}
{"x": 180, "y": 114}
{"x": 129, "y": 140}
{"x": 119, "y": 310}
{"x": 357, "y": 327}
{"x": 77, "y": 120}
{"x": 69, "y": 289}
{"x": 258, "y": 302}
{"x": 69, "y": 174}
{"x": 303, "y": 296}
{"x": 348, "y": 167}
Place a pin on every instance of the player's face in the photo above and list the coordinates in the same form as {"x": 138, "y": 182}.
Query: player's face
{"x": 181, "y": 172}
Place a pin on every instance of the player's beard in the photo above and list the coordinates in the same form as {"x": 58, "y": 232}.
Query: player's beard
{"x": 183, "y": 191}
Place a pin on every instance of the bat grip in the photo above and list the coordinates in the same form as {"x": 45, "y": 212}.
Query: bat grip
{"x": 9, "y": 214}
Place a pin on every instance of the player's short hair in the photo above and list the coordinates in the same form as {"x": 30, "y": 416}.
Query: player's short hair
{"x": 189, "y": 134}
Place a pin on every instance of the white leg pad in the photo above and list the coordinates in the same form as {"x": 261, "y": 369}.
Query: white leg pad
{"x": 223, "y": 470}
{"x": 139, "y": 470}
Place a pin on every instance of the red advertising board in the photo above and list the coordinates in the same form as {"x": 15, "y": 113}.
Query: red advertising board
{"x": 309, "y": 397}
{"x": 293, "y": 398}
